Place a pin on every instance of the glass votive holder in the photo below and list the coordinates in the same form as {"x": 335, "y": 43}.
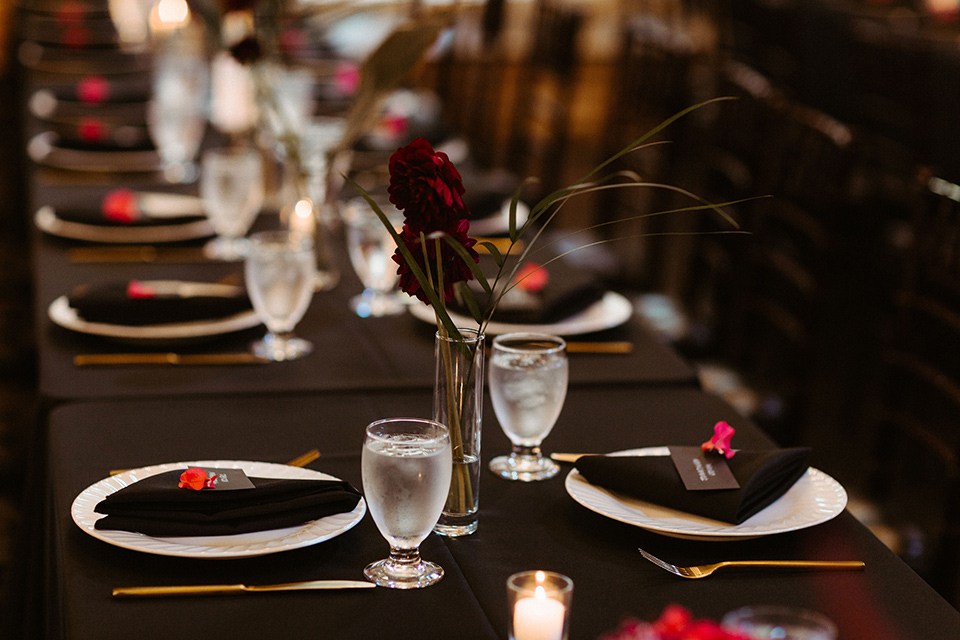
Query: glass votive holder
{"x": 539, "y": 604}
{"x": 779, "y": 623}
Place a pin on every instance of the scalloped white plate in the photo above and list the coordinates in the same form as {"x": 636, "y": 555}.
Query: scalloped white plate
{"x": 242, "y": 545}
{"x": 46, "y": 220}
{"x": 62, "y": 314}
{"x": 814, "y": 499}
{"x": 610, "y": 311}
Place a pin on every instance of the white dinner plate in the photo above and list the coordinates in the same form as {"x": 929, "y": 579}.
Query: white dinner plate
{"x": 241, "y": 545}
{"x": 610, "y": 311}
{"x": 62, "y": 314}
{"x": 47, "y": 221}
{"x": 43, "y": 149}
{"x": 812, "y": 500}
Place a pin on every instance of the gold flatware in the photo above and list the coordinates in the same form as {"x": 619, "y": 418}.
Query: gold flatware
{"x": 213, "y": 589}
{"x": 300, "y": 461}
{"x": 135, "y": 253}
{"x": 568, "y": 457}
{"x": 105, "y": 359}
{"x": 621, "y": 347}
{"x": 305, "y": 459}
{"x": 704, "y": 570}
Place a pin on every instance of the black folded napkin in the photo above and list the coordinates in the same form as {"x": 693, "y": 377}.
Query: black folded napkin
{"x": 125, "y": 304}
{"x": 568, "y": 290}
{"x": 763, "y": 475}
{"x": 119, "y": 207}
{"x": 156, "y": 506}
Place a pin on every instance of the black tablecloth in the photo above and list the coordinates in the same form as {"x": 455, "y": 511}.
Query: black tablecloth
{"x": 349, "y": 352}
{"x": 522, "y": 526}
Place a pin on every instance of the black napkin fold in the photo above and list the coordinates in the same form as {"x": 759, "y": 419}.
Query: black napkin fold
{"x": 110, "y": 303}
{"x": 156, "y": 506}
{"x": 763, "y": 475}
{"x": 568, "y": 291}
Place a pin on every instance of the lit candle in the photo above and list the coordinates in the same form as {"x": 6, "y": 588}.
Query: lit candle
{"x": 538, "y": 618}
{"x": 302, "y": 218}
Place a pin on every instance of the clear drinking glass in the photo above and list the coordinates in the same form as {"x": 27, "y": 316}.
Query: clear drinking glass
{"x": 406, "y": 466}
{"x": 528, "y": 384}
{"x": 779, "y": 623}
{"x": 371, "y": 248}
{"x": 279, "y": 275}
{"x": 232, "y": 192}
{"x": 176, "y": 117}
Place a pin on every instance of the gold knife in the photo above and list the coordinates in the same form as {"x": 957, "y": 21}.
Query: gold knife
{"x": 213, "y": 589}
{"x": 100, "y": 359}
{"x": 121, "y": 253}
{"x": 622, "y": 347}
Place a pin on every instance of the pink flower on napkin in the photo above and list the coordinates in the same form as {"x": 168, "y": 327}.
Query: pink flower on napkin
{"x": 196, "y": 478}
{"x": 532, "y": 277}
{"x": 120, "y": 205}
{"x": 136, "y": 290}
{"x": 720, "y": 442}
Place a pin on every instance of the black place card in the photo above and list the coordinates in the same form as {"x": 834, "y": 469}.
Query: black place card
{"x": 702, "y": 470}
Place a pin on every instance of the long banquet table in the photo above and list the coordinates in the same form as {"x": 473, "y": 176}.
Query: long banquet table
{"x": 95, "y": 419}
{"x": 522, "y": 526}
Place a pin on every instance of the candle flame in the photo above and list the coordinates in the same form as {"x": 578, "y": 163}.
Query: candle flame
{"x": 540, "y": 593}
{"x": 541, "y": 577}
{"x": 303, "y": 208}
{"x": 173, "y": 11}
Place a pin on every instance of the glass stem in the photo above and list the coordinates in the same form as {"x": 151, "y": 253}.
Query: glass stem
{"x": 523, "y": 450}
{"x": 401, "y": 559}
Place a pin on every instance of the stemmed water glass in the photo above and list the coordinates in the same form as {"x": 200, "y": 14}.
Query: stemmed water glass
{"x": 279, "y": 275}
{"x": 528, "y": 384}
{"x": 371, "y": 247}
{"x": 232, "y": 192}
{"x": 176, "y": 116}
{"x": 406, "y": 466}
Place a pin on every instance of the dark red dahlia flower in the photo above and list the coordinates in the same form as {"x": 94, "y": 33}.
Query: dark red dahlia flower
{"x": 426, "y": 186}
{"x": 452, "y": 264}
{"x": 247, "y": 51}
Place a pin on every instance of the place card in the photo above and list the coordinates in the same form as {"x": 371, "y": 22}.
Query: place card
{"x": 702, "y": 470}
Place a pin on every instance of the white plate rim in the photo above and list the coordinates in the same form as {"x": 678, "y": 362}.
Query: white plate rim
{"x": 63, "y": 315}
{"x": 215, "y": 547}
{"x": 820, "y": 497}
{"x": 45, "y": 219}
{"x": 610, "y": 311}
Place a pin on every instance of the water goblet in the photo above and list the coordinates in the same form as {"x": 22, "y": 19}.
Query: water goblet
{"x": 528, "y": 384}
{"x": 371, "y": 248}
{"x": 405, "y": 466}
{"x": 279, "y": 274}
{"x": 232, "y": 192}
{"x": 779, "y": 623}
{"x": 175, "y": 113}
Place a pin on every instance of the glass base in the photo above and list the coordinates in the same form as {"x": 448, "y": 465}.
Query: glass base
{"x": 227, "y": 249}
{"x": 456, "y": 526}
{"x": 372, "y": 304}
{"x": 180, "y": 172}
{"x": 278, "y": 348}
{"x": 524, "y": 467}
{"x": 387, "y": 573}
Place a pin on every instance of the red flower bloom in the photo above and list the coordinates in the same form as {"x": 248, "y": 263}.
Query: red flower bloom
{"x": 195, "y": 478}
{"x": 426, "y": 186}
{"x": 454, "y": 268}
{"x": 720, "y": 442}
{"x": 247, "y": 51}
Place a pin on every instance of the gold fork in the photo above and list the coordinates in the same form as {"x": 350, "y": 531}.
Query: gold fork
{"x": 703, "y": 570}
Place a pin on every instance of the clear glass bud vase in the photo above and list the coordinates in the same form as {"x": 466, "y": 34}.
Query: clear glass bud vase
{"x": 458, "y": 403}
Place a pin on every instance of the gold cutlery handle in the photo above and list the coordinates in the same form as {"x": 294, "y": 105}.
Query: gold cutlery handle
{"x": 617, "y": 347}
{"x": 114, "y": 359}
{"x": 208, "y": 589}
{"x": 796, "y": 564}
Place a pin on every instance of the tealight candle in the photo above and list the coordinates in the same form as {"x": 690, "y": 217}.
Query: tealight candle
{"x": 540, "y": 602}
